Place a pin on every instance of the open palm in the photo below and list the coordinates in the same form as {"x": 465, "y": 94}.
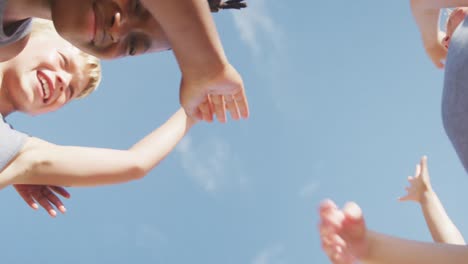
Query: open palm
{"x": 419, "y": 183}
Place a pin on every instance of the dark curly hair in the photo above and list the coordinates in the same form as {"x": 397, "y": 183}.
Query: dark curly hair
{"x": 216, "y": 5}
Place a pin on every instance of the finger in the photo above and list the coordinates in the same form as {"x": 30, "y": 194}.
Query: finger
{"x": 60, "y": 190}
{"x": 326, "y": 230}
{"x": 206, "y": 112}
{"x": 417, "y": 171}
{"x": 232, "y": 107}
{"x": 332, "y": 218}
{"x": 242, "y": 104}
{"x": 403, "y": 198}
{"x": 55, "y": 200}
{"x": 219, "y": 107}
{"x": 354, "y": 227}
{"x": 327, "y": 205}
{"x": 423, "y": 165}
{"x": 410, "y": 178}
{"x": 28, "y": 199}
{"x": 44, "y": 202}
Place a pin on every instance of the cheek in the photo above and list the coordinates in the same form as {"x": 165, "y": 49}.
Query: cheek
{"x": 59, "y": 103}
{"x": 109, "y": 53}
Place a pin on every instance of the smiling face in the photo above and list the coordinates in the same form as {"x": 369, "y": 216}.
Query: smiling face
{"x": 46, "y": 75}
{"x": 108, "y": 28}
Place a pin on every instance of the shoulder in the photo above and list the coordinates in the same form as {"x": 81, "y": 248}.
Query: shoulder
{"x": 11, "y": 143}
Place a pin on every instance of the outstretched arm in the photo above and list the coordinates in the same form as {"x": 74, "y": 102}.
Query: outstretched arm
{"x": 442, "y": 229}
{"x": 388, "y": 250}
{"x": 44, "y": 163}
{"x": 345, "y": 239}
{"x": 426, "y": 16}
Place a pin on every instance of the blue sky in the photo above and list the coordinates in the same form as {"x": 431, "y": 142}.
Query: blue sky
{"x": 343, "y": 103}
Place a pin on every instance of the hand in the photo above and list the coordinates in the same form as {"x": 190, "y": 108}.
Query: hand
{"x": 203, "y": 97}
{"x": 419, "y": 183}
{"x": 44, "y": 195}
{"x": 343, "y": 233}
{"x": 436, "y": 52}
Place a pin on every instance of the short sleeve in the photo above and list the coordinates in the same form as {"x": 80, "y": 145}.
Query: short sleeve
{"x": 11, "y": 142}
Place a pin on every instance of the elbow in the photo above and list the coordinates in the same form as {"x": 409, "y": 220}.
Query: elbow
{"x": 137, "y": 170}
{"x": 137, "y": 173}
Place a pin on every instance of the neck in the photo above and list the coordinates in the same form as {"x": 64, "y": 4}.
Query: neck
{"x": 6, "y": 103}
{"x": 16, "y": 10}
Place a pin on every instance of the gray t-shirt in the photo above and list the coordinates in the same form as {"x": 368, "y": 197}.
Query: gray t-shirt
{"x": 455, "y": 94}
{"x": 11, "y": 142}
{"x": 14, "y": 31}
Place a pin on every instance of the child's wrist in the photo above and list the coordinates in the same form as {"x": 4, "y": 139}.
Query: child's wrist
{"x": 206, "y": 71}
{"x": 426, "y": 195}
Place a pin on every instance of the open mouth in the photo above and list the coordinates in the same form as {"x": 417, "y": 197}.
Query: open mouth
{"x": 46, "y": 86}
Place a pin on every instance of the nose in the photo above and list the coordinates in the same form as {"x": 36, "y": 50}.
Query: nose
{"x": 115, "y": 30}
{"x": 62, "y": 81}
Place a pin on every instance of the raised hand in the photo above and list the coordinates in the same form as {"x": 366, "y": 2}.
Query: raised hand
{"x": 437, "y": 52}
{"x": 343, "y": 232}
{"x": 44, "y": 195}
{"x": 203, "y": 98}
{"x": 419, "y": 183}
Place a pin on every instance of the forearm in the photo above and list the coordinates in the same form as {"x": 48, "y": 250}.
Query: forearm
{"x": 49, "y": 164}
{"x": 164, "y": 139}
{"x": 427, "y": 19}
{"x": 190, "y": 28}
{"x": 390, "y": 250}
{"x": 441, "y": 227}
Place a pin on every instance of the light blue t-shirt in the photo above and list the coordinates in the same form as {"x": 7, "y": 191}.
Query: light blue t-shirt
{"x": 11, "y": 142}
{"x": 14, "y": 31}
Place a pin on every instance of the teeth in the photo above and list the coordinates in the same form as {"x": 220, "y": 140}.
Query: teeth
{"x": 45, "y": 87}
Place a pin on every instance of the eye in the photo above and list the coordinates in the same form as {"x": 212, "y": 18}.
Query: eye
{"x": 71, "y": 92}
{"x": 63, "y": 60}
{"x": 131, "y": 46}
{"x": 136, "y": 6}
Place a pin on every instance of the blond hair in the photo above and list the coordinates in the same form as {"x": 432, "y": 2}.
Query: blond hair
{"x": 92, "y": 64}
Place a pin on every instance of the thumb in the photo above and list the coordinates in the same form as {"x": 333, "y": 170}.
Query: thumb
{"x": 354, "y": 225}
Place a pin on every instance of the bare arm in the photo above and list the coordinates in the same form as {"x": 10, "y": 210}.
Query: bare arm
{"x": 427, "y": 19}
{"x": 345, "y": 239}
{"x": 44, "y": 163}
{"x": 192, "y": 33}
{"x": 439, "y": 223}
{"x": 385, "y": 249}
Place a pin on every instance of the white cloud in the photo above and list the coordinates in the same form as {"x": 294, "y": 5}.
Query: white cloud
{"x": 309, "y": 189}
{"x": 148, "y": 236}
{"x": 270, "y": 255}
{"x": 265, "y": 38}
{"x": 150, "y": 239}
{"x": 209, "y": 163}
{"x": 255, "y": 23}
